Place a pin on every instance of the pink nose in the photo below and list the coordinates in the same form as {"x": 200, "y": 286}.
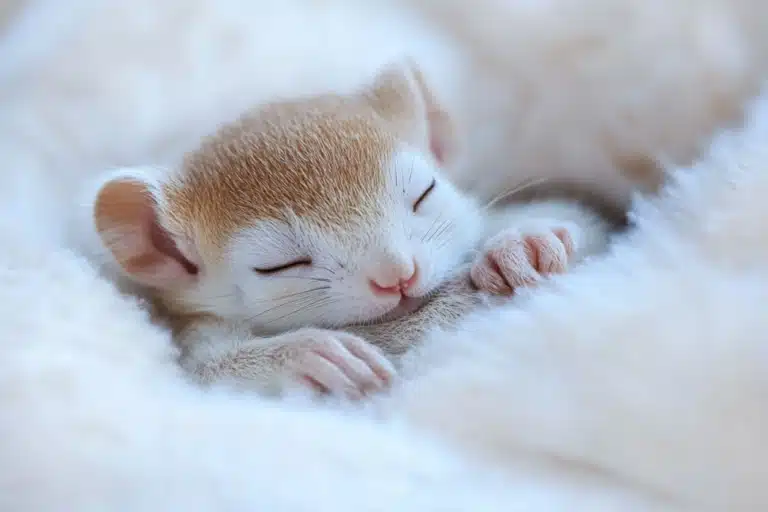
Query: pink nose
{"x": 399, "y": 288}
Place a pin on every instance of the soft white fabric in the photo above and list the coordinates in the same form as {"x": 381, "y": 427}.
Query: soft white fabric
{"x": 650, "y": 363}
{"x": 638, "y": 382}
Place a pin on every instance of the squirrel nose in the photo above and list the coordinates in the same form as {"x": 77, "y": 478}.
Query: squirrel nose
{"x": 398, "y": 283}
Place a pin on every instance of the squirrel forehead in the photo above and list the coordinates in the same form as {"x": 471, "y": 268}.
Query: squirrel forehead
{"x": 321, "y": 159}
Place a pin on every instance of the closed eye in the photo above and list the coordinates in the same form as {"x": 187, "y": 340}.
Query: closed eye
{"x": 424, "y": 195}
{"x": 274, "y": 270}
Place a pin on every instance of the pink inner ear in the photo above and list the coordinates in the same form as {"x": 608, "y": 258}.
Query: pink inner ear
{"x": 442, "y": 141}
{"x": 165, "y": 245}
{"x": 442, "y": 137}
{"x": 127, "y": 220}
{"x": 437, "y": 148}
{"x": 401, "y": 95}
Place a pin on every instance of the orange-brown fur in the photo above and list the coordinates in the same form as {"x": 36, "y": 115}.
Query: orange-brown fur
{"x": 285, "y": 154}
{"x": 322, "y": 156}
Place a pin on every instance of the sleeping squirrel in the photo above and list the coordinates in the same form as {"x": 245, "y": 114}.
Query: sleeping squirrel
{"x": 313, "y": 240}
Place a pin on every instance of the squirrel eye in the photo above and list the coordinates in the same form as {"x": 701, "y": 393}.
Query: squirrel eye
{"x": 274, "y": 270}
{"x": 424, "y": 195}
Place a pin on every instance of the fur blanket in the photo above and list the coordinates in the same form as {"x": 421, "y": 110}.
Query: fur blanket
{"x": 637, "y": 382}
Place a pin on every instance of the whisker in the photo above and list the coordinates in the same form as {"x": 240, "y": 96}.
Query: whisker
{"x": 337, "y": 261}
{"x": 305, "y": 307}
{"x": 295, "y": 294}
{"x": 448, "y": 227}
{"x": 434, "y": 223}
{"x": 441, "y": 229}
{"x": 278, "y": 306}
{"x": 325, "y": 305}
{"x": 327, "y": 269}
{"x": 520, "y": 188}
{"x": 299, "y": 298}
{"x": 319, "y": 288}
{"x": 316, "y": 279}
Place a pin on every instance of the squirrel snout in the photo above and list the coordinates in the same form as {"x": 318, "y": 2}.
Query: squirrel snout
{"x": 396, "y": 281}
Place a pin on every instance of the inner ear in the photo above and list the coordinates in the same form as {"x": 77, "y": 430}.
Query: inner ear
{"x": 400, "y": 95}
{"x": 127, "y": 221}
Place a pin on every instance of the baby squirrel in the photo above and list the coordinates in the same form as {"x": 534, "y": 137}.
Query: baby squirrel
{"x": 307, "y": 216}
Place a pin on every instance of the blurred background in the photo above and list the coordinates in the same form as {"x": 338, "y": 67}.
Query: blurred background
{"x": 596, "y": 92}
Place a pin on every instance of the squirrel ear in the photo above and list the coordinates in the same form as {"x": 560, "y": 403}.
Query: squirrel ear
{"x": 400, "y": 95}
{"x": 126, "y": 218}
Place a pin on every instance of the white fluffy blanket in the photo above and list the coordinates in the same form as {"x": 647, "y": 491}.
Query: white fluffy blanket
{"x": 638, "y": 382}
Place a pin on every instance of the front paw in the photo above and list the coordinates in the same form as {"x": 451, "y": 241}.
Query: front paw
{"x": 335, "y": 362}
{"x": 515, "y": 258}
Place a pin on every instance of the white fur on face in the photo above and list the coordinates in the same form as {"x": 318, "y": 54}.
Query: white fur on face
{"x": 334, "y": 290}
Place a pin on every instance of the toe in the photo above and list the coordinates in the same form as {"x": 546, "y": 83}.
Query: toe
{"x": 514, "y": 263}
{"x": 376, "y": 364}
{"x": 486, "y": 275}
{"x": 550, "y": 255}
{"x": 326, "y": 375}
{"x": 565, "y": 236}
